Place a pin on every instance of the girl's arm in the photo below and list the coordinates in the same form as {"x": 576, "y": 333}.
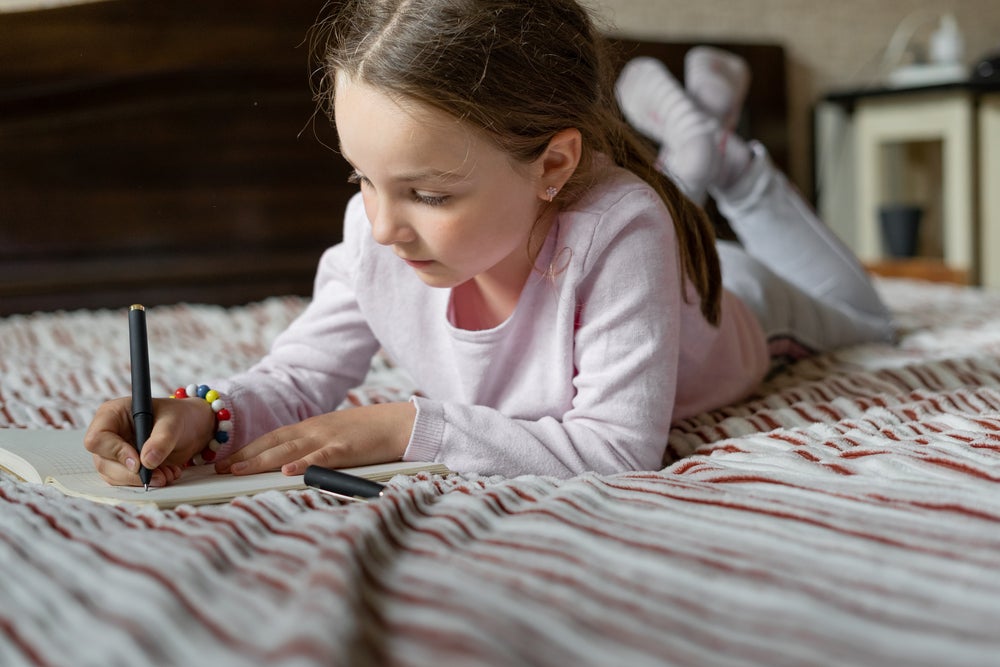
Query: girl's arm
{"x": 312, "y": 365}
{"x": 625, "y": 349}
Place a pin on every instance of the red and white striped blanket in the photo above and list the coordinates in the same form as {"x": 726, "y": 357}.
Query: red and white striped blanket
{"x": 849, "y": 514}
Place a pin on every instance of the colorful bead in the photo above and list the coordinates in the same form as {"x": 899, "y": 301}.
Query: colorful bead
{"x": 223, "y": 419}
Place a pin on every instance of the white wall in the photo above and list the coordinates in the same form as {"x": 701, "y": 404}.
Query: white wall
{"x": 831, "y": 44}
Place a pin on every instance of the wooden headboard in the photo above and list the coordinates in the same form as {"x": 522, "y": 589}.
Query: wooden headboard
{"x": 159, "y": 152}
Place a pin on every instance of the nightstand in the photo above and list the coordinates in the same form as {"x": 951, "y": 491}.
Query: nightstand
{"x": 865, "y": 146}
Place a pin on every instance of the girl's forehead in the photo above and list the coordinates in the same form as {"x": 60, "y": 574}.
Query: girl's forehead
{"x": 373, "y": 99}
{"x": 375, "y": 126}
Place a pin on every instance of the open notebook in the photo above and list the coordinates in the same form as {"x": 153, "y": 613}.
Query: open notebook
{"x": 57, "y": 457}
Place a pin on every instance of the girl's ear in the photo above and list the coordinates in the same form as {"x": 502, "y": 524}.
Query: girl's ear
{"x": 559, "y": 161}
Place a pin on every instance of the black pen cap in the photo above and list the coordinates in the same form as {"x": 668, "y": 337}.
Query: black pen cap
{"x": 341, "y": 483}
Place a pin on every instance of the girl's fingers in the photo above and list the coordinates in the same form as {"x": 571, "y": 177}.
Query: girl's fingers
{"x": 117, "y": 474}
{"x": 251, "y": 450}
{"x": 342, "y": 438}
{"x": 107, "y": 433}
{"x": 270, "y": 455}
{"x": 326, "y": 457}
{"x": 114, "y": 472}
{"x": 171, "y": 473}
{"x": 269, "y": 452}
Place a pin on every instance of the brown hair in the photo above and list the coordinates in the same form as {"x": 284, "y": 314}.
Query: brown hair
{"x": 519, "y": 70}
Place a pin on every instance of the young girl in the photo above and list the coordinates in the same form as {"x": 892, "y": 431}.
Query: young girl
{"x": 514, "y": 248}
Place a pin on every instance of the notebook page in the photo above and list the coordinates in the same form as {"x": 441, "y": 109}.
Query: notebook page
{"x": 58, "y": 457}
{"x": 50, "y": 452}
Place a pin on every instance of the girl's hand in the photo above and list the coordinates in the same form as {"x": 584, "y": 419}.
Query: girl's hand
{"x": 181, "y": 428}
{"x": 339, "y": 439}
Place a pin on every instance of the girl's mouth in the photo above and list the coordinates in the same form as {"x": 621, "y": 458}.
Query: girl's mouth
{"x": 419, "y": 263}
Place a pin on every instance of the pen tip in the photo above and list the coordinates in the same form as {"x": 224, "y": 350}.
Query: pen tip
{"x": 147, "y": 487}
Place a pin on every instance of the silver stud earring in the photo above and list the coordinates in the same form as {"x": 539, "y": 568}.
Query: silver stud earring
{"x": 551, "y": 192}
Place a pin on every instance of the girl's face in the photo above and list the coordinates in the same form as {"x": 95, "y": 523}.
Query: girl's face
{"x": 451, "y": 204}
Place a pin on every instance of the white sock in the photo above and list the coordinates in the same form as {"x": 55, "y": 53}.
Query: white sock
{"x": 656, "y": 104}
{"x": 717, "y": 80}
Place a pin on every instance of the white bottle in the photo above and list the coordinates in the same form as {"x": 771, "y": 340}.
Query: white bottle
{"x": 946, "y": 44}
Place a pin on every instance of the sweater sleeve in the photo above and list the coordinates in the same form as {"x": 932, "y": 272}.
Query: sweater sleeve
{"x": 628, "y": 296}
{"x": 312, "y": 365}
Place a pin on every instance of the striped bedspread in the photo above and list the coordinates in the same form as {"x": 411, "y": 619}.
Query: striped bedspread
{"x": 848, "y": 514}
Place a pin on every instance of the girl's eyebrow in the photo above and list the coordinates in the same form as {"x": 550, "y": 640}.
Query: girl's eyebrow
{"x": 426, "y": 175}
{"x": 430, "y": 175}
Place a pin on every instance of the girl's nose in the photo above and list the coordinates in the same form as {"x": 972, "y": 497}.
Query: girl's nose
{"x": 389, "y": 224}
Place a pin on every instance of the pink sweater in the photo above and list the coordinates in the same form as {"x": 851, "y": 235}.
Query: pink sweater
{"x": 587, "y": 374}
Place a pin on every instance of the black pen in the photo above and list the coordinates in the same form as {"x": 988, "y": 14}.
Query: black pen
{"x": 342, "y": 484}
{"x": 142, "y": 402}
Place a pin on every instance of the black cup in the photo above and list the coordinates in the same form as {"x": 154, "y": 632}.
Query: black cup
{"x": 900, "y": 229}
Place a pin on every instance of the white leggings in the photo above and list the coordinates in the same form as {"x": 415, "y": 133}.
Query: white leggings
{"x": 803, "y": 284}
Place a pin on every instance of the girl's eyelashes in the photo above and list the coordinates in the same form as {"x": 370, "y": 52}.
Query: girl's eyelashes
{"x": 429, "y": 200}
{"x": 357, "y": 179}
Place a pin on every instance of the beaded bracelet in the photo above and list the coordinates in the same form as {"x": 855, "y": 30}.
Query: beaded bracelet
{"x": 223, "y": 419}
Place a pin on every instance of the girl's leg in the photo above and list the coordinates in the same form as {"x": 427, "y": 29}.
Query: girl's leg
{"x": 796, "y": 323}
{"x": 811, "y": 286}
{"x": 777, "y": 228}
{"x": 768, "y": 216}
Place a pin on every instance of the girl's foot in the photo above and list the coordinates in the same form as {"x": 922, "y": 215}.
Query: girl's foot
{"x": 718, "y": 81}
{"x": 656, "y": 104}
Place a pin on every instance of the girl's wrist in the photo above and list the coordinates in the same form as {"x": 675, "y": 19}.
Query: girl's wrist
{"x": 223, "y": 420}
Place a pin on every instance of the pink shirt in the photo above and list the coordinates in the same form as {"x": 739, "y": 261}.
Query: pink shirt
{"x": 588, "y": 373}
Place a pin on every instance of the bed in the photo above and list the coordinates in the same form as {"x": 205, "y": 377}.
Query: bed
{"x": 846, "y": 514}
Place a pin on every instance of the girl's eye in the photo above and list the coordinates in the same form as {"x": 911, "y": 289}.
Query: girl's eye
{"x": 430, "y": 200}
